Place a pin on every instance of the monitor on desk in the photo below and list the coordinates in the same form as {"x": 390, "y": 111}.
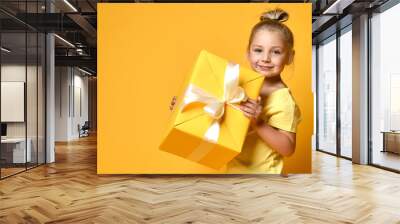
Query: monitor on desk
{"x": 3, "y": 130}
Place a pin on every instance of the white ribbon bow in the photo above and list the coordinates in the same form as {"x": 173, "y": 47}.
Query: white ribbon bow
{"x": 214, "y": 106}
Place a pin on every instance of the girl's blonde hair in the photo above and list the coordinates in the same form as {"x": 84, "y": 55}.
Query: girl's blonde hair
{"x": 273, "y": 20}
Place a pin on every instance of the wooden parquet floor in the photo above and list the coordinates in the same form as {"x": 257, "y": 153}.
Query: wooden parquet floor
{"x": 70, "y": 191}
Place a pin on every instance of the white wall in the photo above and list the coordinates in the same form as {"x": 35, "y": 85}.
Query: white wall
{"x": 71, "y": 94}
{"x": 81, "y": 103}
{"x": 62, "y": 78}
{"x": 13, "y": 73}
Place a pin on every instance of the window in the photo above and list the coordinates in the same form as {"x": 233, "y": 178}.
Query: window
{"x": 327, "y": 96}
{"x": 385, "y": 89}
{"x": 346, "y": 92}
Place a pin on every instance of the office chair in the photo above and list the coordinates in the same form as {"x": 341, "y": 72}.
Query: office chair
{"x": 84, "y": 130}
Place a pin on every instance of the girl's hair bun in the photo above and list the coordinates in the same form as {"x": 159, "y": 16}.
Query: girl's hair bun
{"x": 277, "y": 15}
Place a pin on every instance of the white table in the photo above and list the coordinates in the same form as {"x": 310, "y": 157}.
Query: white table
{"x": 18, "y": 149}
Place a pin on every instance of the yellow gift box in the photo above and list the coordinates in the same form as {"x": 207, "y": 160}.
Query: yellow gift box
{"x": 207, "y": 127}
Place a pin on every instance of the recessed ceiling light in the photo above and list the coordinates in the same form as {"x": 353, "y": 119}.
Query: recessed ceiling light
{"x": 64, "y": 40}
{"x": 71, "y": 6}
{"x": 337, "y": 7}
{"x": 5, "y": 50}
{"x": 84, "y": 71}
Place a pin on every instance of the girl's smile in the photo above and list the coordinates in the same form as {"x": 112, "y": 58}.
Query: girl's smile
{"x": 264, "y": 68}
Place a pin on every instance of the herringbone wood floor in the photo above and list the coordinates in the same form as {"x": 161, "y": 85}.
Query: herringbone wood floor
{"x": 69, "y": 191}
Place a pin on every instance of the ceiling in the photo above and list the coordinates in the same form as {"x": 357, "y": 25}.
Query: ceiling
{"x": 76, "y": 22}
{"x": 72, "y": 20}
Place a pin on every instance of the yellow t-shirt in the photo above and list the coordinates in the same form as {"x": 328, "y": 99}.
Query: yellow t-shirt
{"x": 280, "y": 111}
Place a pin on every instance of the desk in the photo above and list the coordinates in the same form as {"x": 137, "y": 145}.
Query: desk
{"x": 391, "y": 141}
{"x": 15, "y": 148}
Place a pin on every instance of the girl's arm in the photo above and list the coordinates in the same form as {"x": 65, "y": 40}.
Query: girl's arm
{"x": 281, "y": 141}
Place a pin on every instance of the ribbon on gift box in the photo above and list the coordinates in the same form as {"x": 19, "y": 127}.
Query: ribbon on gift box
{"x": 215, "y": 107}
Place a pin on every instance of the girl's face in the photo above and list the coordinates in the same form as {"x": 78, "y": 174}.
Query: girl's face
{"x": 268, "y": 53}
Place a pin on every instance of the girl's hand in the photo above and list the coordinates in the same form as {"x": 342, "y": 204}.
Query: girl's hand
{"x": 252, "y": 109}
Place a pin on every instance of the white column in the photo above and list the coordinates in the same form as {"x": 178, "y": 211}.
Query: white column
{"x": 63, "y": 103}
{"x": 50, "y": 110}
{"x": 360, "y": 90}
{"x": 50, "y": 92}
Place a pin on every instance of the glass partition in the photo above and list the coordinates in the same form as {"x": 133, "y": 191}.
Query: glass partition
{"x": 327, "y": 95}
{"x": 22, "y": 88}
{"x": 13, "y": 103}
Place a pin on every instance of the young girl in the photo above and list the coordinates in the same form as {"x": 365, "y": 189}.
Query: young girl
{"x": 274, "y": 115}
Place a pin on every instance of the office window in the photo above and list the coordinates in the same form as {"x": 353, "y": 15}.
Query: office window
{"x": 346, "y": 92}
{"x": 327, "y": 96}
{"x": 385, "y": 89}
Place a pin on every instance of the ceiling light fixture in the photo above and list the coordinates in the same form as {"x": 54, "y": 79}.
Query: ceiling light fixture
{"x": 5, "y": 50}
{"x": 84, "y": 71}
{"x": 70, "y": 5}
{"x": 64, "y": 40}
{"x": 337, "y": 7}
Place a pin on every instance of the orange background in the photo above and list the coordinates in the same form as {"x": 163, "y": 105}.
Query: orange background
{"x": 145, "y": 52}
